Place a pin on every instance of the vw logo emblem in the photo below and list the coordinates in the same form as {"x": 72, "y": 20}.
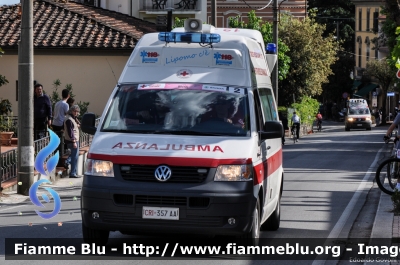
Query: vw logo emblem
{"x": 163, "y": 173}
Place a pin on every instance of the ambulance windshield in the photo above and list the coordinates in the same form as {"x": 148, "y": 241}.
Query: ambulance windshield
{"x": 187, "y": 109}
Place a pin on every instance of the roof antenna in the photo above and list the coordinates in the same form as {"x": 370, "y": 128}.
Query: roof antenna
{"x": 112, "y": 71}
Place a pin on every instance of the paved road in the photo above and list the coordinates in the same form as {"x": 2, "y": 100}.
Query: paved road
{"x": 327, "y": 178}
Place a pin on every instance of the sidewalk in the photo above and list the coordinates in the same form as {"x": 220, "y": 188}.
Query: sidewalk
{"x": 65, "y": 187}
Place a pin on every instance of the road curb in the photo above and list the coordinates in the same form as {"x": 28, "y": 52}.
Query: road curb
{"x": 382, "y": 229}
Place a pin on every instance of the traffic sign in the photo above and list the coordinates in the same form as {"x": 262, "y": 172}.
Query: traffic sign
{"x": 398, "y": 74}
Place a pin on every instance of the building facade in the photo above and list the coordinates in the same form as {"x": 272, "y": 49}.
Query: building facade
{"x": 368, "y": 22}
{"x": 156, "y": 10}
{"x": 81, "y": 45}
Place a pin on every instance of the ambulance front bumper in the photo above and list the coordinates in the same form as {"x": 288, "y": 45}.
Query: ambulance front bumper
{"x": 204, "y": 208}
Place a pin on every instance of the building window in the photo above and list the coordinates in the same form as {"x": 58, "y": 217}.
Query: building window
{"x": 368, "y": 48}
{"x": 359, "y": 51}
{"x": 360, "y": 19}
{"x": 368, "y": 18}
{"x": 375, "y": 22}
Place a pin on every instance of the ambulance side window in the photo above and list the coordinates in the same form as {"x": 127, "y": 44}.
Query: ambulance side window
{"x": 258, "y": 112}
{"x": 268, "y": 104}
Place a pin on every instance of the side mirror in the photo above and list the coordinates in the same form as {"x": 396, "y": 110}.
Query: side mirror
{"x": 272, "y": 129}
{"x": 88, "y": 123}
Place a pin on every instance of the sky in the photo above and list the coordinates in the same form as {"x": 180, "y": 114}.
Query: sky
{"x": 9, "y": 2}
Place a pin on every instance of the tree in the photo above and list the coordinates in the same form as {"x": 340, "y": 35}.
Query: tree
{"x": 335, "y": 14}
{"x": 393, "y": 11}
{"x": 338, "y": 16}
{"x": 383, "y": 71}
{"x": 3, "y": 79}
{"x": 311, "y": 56}
{"x": 396, "y": 49}
{"x": 266, "y": 31}
{"x": 178, "y": 22}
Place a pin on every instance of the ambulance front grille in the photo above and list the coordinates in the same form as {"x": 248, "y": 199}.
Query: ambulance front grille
{"x": 179, "y": 174}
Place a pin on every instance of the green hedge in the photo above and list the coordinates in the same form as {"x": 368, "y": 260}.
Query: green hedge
{"x": 307, "y": 109}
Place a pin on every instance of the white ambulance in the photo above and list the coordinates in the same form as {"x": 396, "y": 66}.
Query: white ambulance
{"x": 189, "y": 141}
{"x": 358, "y": 115}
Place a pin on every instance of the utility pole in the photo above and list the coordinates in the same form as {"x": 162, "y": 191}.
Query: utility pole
{"x": 169, "y": 18}
{"x": 214, "y": 13}
{"x": 274, "y": 77}
{"x": 25, "y": 100}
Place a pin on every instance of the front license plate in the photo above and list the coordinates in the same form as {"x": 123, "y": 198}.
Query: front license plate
{"x": 160, "y": 213}
{"x": 359, "y": 124}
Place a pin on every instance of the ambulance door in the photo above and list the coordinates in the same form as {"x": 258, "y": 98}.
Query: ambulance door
{"x": 262, "y": 172}
{"x": 273, "y": 147}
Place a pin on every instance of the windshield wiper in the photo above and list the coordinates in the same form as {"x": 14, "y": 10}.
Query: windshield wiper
{"x": 187, "y": 132}
{"x": 126, "y": 131}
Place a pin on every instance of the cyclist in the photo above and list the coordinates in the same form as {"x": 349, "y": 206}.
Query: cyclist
{"x": 395, "y": 123}
{"x": 296, "y": 123}
{"x": 319, "y": 119}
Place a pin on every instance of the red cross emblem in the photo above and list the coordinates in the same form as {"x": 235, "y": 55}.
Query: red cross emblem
{"x": 184, "y": 73}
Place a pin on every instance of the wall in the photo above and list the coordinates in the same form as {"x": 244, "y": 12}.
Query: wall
{"x": 90, "y": 75}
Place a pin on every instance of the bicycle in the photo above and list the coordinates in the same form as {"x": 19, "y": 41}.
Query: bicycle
{"x": 319, "y": 125}
{"x": 388, "y": 172}
{"x": 294, "y": 133}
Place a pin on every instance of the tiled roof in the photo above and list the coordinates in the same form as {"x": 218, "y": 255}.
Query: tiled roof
{"x": 73, "y": 25}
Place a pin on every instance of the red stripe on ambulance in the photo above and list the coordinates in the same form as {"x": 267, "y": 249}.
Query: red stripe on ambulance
{"x": 267, "y": 167}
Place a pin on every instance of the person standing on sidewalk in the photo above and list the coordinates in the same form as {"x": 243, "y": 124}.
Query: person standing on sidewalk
{"x": 41, "y": 112}
{"x": 60, "y": 111}
{"x": 71, "y": 135}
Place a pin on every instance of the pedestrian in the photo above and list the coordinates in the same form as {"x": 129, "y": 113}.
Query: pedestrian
{"x": 285, "y": 125}
{"x": 60, "y": 111}
{"x": 71, "y": 135}
{"x": 296, "y": 123}
{"x": 41, "y": 112}
{"x": 377, "y": 118}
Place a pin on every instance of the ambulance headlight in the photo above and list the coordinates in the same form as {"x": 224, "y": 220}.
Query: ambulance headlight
{"x": 350, "y": 119}
{"x": 368, "y": 119}
{"x": 99, "y": 168}
{"x": 234, "y": 173}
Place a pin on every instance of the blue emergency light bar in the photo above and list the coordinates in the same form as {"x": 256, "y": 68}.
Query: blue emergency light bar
{"x": 189, "y": 37}
{"x": 271, "y": 48}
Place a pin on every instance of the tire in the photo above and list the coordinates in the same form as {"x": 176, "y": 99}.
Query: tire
{"x": 255, "y": 228}
{"x": 273, "y": 222}
{"x": 369, "y": 128}
{"x": 347, "y": 128}
{"x": 387, "y": 174}
{"x": 99, "y": 237}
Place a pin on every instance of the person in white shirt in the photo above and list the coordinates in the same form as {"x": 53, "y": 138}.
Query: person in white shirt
{"x": 60, "y": 111}
{"x": 296, "y": 122}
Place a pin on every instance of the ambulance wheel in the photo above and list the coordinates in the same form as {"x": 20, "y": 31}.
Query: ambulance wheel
{"x": 273, "y": 222}
{"x": 255, "y": 229}
{"x": 369, "y": 128}
{"x": 347, "y": 128}
{"x": 99, "y": 237}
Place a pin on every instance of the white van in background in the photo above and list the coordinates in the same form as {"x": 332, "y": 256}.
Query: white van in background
{"x": 189, "y": 141}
